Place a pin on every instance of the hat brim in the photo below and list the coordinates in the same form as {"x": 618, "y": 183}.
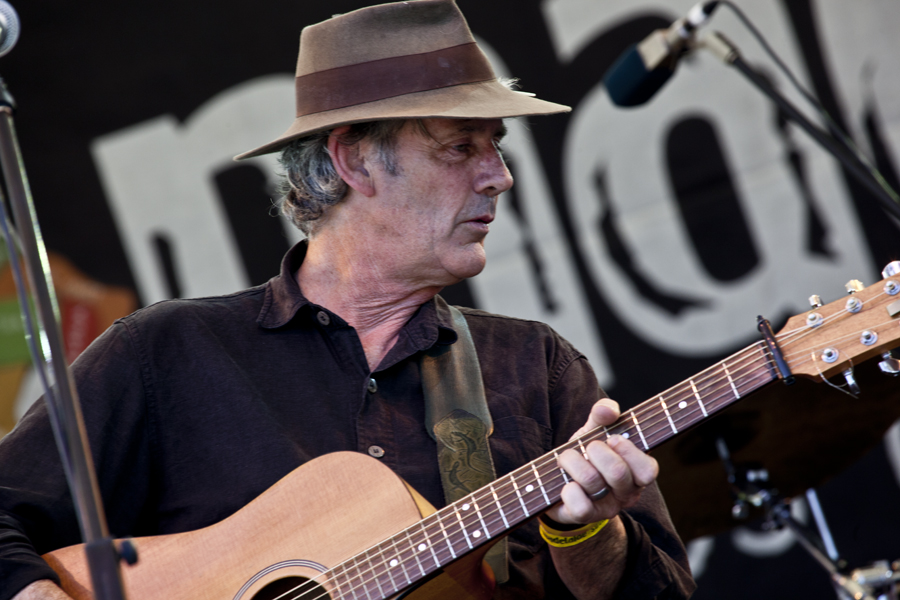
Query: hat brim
{"x": 483, "y": 100}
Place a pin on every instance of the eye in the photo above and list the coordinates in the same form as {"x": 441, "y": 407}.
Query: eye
{"x": 500, "y": 148}
{"x": 463, "y": 148}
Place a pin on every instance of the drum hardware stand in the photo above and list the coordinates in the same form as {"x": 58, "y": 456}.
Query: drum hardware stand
{"x": 878, "y": 581}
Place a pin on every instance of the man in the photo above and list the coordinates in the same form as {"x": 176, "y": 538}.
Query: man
{"x": 196, "y": 407}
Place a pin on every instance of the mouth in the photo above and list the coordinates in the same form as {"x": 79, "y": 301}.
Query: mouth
{"x": 485, "y": 219}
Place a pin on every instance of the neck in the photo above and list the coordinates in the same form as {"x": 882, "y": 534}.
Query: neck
{"x": 363, "y": 289}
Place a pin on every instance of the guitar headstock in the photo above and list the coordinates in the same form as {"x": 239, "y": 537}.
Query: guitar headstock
{"x": 830, "y": 339}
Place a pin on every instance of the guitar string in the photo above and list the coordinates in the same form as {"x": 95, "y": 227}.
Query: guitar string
{"x": 752, "y": 350}
{"x": 651, "y": 432}
{"x": 784, "y": 337}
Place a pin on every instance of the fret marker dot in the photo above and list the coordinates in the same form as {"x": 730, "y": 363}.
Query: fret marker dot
{"x": 394, "y": 562}
{"x": 422, "y": 547}
{"x": 465, "y": 506}
{"x": 682, "y": 404}
{"x": 476, "y": 534}
{"x": 529, "y": 488}
{"x": 626, "y": 435}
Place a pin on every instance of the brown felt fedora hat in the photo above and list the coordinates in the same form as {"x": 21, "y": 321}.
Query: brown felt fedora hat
{"x": 413, "y": 59}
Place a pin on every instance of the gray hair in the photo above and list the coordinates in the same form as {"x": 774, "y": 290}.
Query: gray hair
{"x": 311, "y": 184}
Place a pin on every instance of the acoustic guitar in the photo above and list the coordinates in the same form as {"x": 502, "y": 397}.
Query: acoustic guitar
{"x": 344, "y": 527}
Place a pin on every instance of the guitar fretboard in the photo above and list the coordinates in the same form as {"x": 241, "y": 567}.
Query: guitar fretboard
{"x": 441, "y": 538}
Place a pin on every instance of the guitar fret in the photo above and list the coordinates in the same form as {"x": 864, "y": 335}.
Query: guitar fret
{"x": 737, "y": 394}
{"x": 379, "y": 569}
{"x": 499, "y": 507}
{"x": 413, "y": 549}
{"x": 537, "y": 477}
{"x": 462, "y": 526}
{"x": 336, "y": 580}
{"x": 583, "y": 450}
{"x": 398, "y": 561}
{"x": 565, "y": 476}
{"x": 440, "y": 521}
{"x": 699, "y": 401}
{"x": 640, "y": 433}
{"x": 364, "y": 584}
{"x": 437, "y": 562}
{"x": 525, "y": 510}
{"x": 352, "y": 577}
{"x": 662, "y": 402}
{"x": 377, "y": 583}
{"x": 476, "y": 533}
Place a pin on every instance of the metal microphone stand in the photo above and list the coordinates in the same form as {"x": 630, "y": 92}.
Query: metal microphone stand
{"x": 878, "y": 581}
{"x": 726, "y": 51}
{"x": 60, "y": 394}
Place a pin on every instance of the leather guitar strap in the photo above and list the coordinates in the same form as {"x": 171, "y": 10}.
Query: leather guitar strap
{"x": 457, "y": 417}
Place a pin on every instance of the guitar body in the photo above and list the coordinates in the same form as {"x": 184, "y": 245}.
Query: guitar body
{"x": 315, "y": 518}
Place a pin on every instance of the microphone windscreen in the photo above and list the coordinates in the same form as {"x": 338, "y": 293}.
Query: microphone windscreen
{"x": 9, "y": 27}
{"x": 629, "y": 83}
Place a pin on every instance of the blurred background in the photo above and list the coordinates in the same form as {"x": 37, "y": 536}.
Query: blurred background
{"x": 650, "y": 237}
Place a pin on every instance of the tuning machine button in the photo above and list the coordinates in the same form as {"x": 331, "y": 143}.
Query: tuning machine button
{"x": 815, "y": 301}
{"x": 889, "y": 364}
{"x": 891, "y": 269}
{"x": 851, "y": 382}
{"x": 853, "y": 286}
{"x": 868, "y": 338}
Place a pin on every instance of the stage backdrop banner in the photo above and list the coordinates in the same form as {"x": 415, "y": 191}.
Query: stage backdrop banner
{"x": 650, "y": 237}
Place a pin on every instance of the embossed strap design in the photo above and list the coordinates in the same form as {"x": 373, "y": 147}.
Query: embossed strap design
{"x": 457, "y": 417}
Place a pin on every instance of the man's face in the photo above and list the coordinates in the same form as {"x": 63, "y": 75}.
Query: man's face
{"x": 435, "y": 212}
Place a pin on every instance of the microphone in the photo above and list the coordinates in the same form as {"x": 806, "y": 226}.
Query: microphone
{"x": 9, "y": 27}
{"x": 645, "y": 67}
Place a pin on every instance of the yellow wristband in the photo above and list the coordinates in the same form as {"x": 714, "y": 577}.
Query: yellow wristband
{"x": 563, "y": 539}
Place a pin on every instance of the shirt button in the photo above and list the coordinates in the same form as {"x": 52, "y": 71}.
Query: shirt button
{"x": 376, "y": 451}
{"x": 323, "y": 318}
{"x": 372, "y": 387}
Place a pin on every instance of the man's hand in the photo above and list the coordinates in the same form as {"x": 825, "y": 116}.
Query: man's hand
{"x": 616, "y": 464}
{"x": 42, "y": 590}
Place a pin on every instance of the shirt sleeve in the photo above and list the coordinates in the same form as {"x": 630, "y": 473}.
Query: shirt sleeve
{"x": 36, "y": 510}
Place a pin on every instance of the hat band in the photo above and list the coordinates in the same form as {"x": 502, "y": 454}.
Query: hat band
{"x": 389, "y": 77}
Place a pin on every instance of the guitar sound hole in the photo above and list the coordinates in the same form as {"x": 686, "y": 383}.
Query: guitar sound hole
{"x": 292, "y": 588}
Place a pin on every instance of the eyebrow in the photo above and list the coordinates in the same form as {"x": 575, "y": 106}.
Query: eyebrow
{"x": 474, "y": 126}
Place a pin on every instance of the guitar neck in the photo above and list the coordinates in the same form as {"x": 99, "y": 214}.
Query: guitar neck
{"x": 457, "y": 529}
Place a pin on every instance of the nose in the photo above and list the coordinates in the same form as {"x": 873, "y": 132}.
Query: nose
{"x": 494, "y": 178}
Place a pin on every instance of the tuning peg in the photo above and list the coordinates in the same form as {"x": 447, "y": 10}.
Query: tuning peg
{"x": 891, "y": 269}
{"x": 853, "y": 286}
{"x": 889, "y": 365}
{"x": 815, "y": 301}
{"x": 851, "y": 382}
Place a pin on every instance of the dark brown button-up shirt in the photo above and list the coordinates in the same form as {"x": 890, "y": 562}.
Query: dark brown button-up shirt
{"x": 195, "y": 407}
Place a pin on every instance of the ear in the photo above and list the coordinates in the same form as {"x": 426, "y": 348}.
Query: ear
{"x": 349, "y": 162}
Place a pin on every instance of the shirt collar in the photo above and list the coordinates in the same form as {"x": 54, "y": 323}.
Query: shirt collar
{"x": 283, "y": 296}
{"x": 431, "y": 324}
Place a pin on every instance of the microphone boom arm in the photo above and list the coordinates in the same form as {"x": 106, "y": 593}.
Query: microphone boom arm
{"x": 726, "y": 51}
